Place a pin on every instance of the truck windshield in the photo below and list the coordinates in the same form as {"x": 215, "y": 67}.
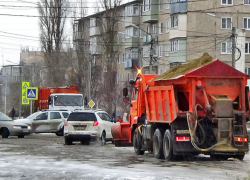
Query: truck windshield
{"x": 68, "y": 100}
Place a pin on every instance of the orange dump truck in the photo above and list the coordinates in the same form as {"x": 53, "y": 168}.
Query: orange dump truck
{"x": 197, "y": 107}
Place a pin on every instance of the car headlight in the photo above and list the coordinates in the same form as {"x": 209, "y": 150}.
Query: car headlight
{"x": 29, "y": 127}
{"x": 17, "y": 127}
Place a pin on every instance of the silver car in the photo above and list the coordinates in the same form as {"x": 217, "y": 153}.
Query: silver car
{"x": 8, "y": 127}
{"x": 46, "y": 121}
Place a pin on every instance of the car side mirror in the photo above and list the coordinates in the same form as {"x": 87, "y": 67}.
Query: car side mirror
{"x": 113, "y": 120}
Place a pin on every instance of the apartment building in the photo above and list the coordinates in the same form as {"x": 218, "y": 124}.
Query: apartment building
{"x": 165, "y": 33}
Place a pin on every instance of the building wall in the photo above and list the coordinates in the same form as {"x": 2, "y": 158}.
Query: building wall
{"x": 32, "y": 57}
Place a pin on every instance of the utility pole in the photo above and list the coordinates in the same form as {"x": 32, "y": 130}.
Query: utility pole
{"x": 20, "y": 102}
{"x": 233, "y": 46}
{"x": 151, "y": 56}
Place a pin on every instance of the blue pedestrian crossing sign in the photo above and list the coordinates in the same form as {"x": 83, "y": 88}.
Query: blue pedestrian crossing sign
{"x": 32, "y": 93}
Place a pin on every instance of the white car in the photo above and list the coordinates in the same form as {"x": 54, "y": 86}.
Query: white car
{"x": 8, "y": 127}
{"x": 88, "y": 125}
{"x": 46, "y": 121}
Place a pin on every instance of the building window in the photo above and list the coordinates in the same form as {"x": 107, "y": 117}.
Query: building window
{"x": 226, "y": 47}
{"x": 146, "y": 5}
{"x": 132, "y": 10}
{"x": 167, "y": 25}
{"x": 246, "y": 23}
{"x": 160, "y": 5}
{"x": 117, "y": 78}
{"x": 92, "y": 22}
{"x": 247, "y": 47}
{"x": 160, "y": 51}
{"x": 227, "y": 2}
{"x": 160, "y": 71}
{"x": 246, "y": 1}
{"x": 167, "y": 49}
{"x": 118, "y": 60}
{"x": 154, "y": 29}
{"x": 131, "y": 32}
{"x": 174, "y": 45}
{"x": 174, "y": 21}
{"x": 226, "y": 23}
{"x": 160, "y": 28}
{"x": 167, "y": 4}
{"x": 123, "y": 57}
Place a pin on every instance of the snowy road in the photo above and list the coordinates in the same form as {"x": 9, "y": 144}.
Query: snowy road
{"x": 44, "y": 156}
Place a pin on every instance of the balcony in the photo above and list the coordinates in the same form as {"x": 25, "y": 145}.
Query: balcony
{"x": 132, "y": 42}
{"x": 94, "y": 31}
{"x": 132, "y": 20}
{"x": 78, "y": 36}
{"x": 178, "y": 7}
{"x": 131, "y": 64}
{"x": 150, "y": 12}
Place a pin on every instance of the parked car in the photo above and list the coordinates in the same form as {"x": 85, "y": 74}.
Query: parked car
{"x": 46, "y": 121}
{"x": 88, "y": 125}
{"x": 8, "y": 127}
{"x": 248, "y": 130}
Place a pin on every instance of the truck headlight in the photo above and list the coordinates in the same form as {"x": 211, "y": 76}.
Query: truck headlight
{"x": 17, "y": 127}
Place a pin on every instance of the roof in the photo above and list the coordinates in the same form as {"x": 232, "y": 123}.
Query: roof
{"x": 204, "y": 66}
{"x": 183, "y": 68}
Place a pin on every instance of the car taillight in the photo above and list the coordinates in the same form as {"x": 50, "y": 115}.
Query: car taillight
{"x": 66, "y": 123}
{"x": 245, "y": 139}
{"x": 95, "y": 123}
{"x": 182, "y": 138}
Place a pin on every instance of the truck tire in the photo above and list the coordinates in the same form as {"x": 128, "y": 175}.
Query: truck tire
{"x": 157, "y": 144}
{"x": 168, "y": 146}
{"x": 137, "y": 143}
{"x": 5, "y": 133}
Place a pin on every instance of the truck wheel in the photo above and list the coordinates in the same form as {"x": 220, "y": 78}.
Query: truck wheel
{"x": 5, "y": 133}
{"x": 67, "y": 141}
{"x": 157, "y": 144}
{"x": 137, "y": 143}
{"x": 168, "y": 145}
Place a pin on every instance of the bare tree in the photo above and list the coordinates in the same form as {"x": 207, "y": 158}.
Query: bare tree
{"x": 52, "y": 24}
{"x": 108, "y": 23}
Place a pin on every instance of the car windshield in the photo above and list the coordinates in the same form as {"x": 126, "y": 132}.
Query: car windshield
{"x": 68, "y": 100}
{"x": 4, "y": 117}
{"x": 80, "y": 116}
{"x": 32, "y": 116}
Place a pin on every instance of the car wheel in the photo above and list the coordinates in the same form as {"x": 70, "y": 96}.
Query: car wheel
{"x": 85, "y": 142}
{"x": 61, "y": 132}
{"x": 20, "y": 136}
{"x": 102, "y": 139}
{"x": 67, "y": 141}
{"x": 5, "y": 133}
{"x": 240, "y": 156}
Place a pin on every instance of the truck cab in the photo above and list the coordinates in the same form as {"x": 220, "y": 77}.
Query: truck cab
{"x": 66, "y": 101}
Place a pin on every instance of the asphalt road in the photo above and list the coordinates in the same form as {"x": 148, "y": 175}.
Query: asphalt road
{"x": 44, "y": 156}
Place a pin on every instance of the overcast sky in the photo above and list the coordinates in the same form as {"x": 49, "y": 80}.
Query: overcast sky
{"x": 19, "y": 27}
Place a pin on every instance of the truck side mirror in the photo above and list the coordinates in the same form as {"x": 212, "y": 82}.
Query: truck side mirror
{"x": 125, "y": 92}
{"x": 49, "y": 100}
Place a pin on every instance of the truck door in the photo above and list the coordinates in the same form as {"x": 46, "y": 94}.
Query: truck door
{"x": 40, "y": 123}
{"x": 134, "y": 103}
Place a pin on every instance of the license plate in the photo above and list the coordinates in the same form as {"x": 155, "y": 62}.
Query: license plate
{"x": 79, "y": 128}
{"x": 26, "y": 130}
